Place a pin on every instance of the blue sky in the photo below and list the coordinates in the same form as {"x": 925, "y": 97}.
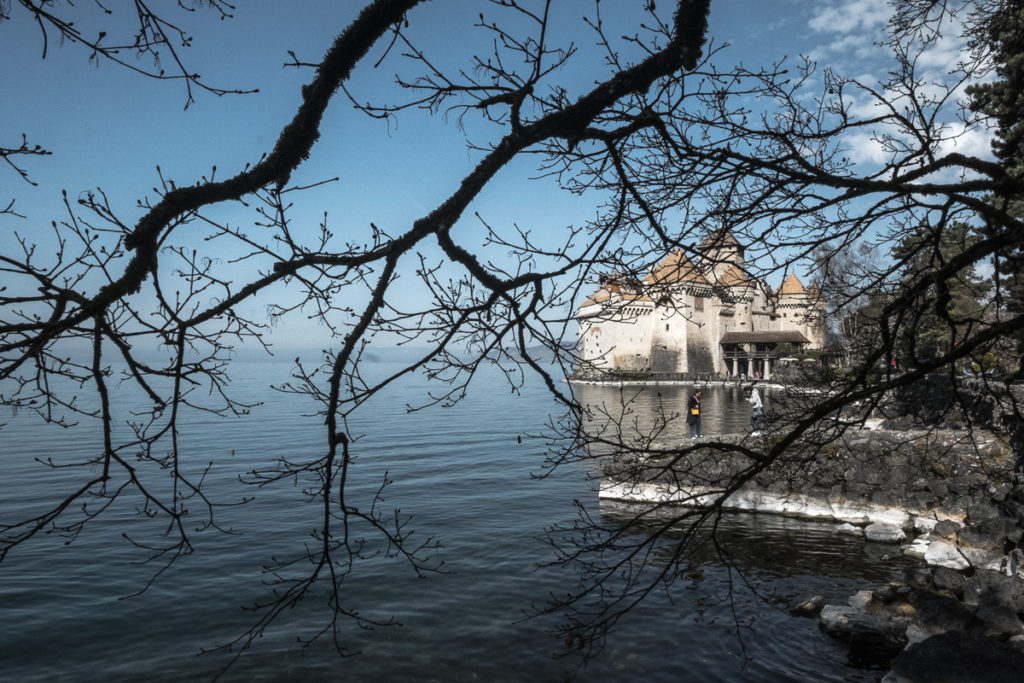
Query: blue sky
{"x": 109, "y": 128}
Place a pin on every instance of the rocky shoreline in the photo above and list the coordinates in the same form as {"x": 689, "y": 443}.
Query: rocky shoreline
{"x": 939, "y": 494}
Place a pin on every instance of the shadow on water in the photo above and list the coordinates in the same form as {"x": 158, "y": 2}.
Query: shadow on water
{"x": 773, "y": 544}
{"x": 741, "y": 585}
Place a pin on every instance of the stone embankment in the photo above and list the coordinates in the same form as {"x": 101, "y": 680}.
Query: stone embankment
{"x": 938, "y": 493}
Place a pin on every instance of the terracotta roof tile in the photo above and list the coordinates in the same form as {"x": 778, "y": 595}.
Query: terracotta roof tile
{"x": 734, "y": 277}
{"x": 792, "y": 285}
{"x": 605, "y": 291}
{"x": 602, "y": 294}
{"x": 675, "y": 268}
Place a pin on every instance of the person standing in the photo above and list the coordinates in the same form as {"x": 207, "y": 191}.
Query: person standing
{"x": 756, "y": 410}
{"x": 693, "y": 414}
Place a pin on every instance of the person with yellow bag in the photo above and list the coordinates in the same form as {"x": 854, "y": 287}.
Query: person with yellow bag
{"x": 693, "y": 414}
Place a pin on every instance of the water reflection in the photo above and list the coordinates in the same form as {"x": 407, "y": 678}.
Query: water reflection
{"x": 740, "y": 585}
{"x": 766, "y": 543}
{"x": 658, "y": 412}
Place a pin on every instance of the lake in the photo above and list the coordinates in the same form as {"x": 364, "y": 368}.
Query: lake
{"x": 464, "y": 475}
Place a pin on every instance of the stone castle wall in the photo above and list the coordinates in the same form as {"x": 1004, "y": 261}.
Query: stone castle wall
{"x": 674, "y": 321}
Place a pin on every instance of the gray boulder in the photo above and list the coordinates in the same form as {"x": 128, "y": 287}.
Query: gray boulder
{"x": 811, "y": 607}
{"x": 957, "y": 657}
{"x": 948, "y": 580}
{"x": 994, "y": 588}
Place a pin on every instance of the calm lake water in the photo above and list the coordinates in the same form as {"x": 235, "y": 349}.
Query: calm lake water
{"x": 466, "y": 479}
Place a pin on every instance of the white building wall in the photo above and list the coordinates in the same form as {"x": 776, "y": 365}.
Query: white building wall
{"x": 616, "y": 335}
{"x": 635, "y": 334}
{"x": 669, "y": 334}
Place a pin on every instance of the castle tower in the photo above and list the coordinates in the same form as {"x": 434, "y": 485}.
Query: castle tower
{"x": 615, "y": 325}
{"x": 680, "y": 330}
{"x": 802, "y": 310}
{"x": 720, "y": 253}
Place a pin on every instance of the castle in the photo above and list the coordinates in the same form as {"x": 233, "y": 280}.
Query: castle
{"x": 703, "y": 320}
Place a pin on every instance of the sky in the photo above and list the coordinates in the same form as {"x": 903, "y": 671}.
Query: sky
{"x": 110, "y": 128}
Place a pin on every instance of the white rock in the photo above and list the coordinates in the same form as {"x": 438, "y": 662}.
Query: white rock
{"x": 885, "y": 533}
{"x": 867, "y": 513}
{"x": 925, "y": 524}
{"x": 1013, "y": 563}
{"x": 980, "y": 558}
{"x": 916, "y": 549}
{"x": 849, "y": 530}
{"x": 945, "y": 554}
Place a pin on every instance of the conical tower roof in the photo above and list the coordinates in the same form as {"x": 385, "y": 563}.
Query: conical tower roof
{"x": 604, "y": 293}
{"x": 735, "y": 277}
{"x": 674, "y": 269}
{"x": 792, "y": 285}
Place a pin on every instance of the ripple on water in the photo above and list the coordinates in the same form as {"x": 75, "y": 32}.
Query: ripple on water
{"x": 466, "y": 479}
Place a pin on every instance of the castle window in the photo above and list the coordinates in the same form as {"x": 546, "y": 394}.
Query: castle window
{"x": 698, "y": 303}
{"x": 666, "y": 327}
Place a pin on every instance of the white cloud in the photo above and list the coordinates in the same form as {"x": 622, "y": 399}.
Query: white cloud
{"x": 975, "y": 141}
{"x": 847, "y": 32}
{"x": 943, "y": 54}
{"x": 847, "y": 17}
{"x": 863, "y": 149}
{"x": 866, "y": 106}
{"x": 851, "y": 29}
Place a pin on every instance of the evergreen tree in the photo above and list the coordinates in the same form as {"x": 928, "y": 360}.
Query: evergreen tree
{"x": 946, "y": 308}
{"x": 1003, "y": 101}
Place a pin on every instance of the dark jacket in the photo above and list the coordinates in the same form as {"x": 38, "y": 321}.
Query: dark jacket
{"x": 691, "y": 405}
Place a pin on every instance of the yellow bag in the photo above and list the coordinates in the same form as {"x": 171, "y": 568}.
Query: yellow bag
{"x": 695, "y": 411}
